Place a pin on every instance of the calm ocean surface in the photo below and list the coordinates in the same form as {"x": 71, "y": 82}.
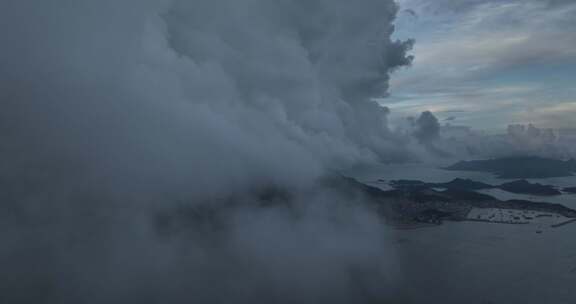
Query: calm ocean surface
{"x": 481, "y": 262}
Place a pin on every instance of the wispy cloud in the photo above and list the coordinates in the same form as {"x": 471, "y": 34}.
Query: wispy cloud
{"x": 493, "y": 59}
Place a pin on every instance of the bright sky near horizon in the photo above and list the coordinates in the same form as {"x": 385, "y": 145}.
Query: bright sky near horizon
{"x": 489, "y": 63}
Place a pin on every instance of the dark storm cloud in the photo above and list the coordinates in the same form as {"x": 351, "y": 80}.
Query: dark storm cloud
{"x": 125, "y": 120}
{"x": 427, "y": 127}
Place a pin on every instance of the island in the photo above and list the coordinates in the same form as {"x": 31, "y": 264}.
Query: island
{"x": 571, "y": 190}
{"x": 518, "y": 186}
{"x": 414, "y": 203}
{"x": 525, "y": 187}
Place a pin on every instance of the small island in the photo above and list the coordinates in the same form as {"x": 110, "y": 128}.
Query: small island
{"x": 460, "y": 184}
{"x": 571, "y": 190}
{"x": 525, "y": 187}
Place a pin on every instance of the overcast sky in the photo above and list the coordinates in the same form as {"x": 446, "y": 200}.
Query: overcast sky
{"x": 489, "y": 63}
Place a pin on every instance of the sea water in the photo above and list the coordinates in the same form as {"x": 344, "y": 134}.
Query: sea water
{"x": 481, "y": 263}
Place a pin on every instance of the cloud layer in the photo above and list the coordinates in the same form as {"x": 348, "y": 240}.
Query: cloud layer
{"x": 116, "y": 111}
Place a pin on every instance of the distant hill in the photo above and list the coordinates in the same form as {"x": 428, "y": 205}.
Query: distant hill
{"x": 519, "y": 167}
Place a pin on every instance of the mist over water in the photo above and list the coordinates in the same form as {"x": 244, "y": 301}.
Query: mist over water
{"x": 140, "y": 140}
